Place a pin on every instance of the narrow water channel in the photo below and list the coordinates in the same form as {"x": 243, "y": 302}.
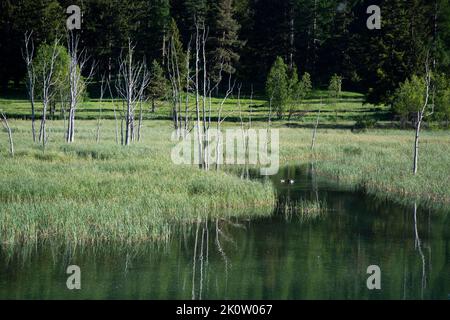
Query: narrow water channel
{"x": 268, "y": 258}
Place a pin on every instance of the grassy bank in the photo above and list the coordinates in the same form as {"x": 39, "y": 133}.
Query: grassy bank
{"x": 378, "y": 161}
{"x": 89, "y": 192}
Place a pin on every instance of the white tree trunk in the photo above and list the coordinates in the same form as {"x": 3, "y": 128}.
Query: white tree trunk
{"x": 416, "y": 145}
{"x": 313, "y": 142}
{"x": 10, "y": 136}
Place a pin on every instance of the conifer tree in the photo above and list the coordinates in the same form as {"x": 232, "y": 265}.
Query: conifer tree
{"x": 225, "y": 40}
{"x": 277, "y": 87}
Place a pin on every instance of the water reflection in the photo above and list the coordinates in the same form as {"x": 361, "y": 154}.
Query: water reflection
{"x": 265, "y": 258}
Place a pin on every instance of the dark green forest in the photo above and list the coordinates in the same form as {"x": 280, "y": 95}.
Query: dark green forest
{"x": 321, "y": 37}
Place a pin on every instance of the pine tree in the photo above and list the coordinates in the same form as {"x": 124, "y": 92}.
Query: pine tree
{"x": 196, "y": 10}
{"x": 268, "y": 37}
{"x": 442, "y": 34}
{"x": 187, "y": 13}
{"x": 314, "y": 24}
{"x": 277, "y": 86}
{"x": 335, "y": 88}
{"x": 174, "y": 43}
{"x": 387, "y": 57}
{"x": 158, "y": 87}
{"x": 154, "y": 28}
{"x": 44, "y": 17}
{"x": 225, "y": 40}
{"x": 442, "y": 98}
{"x": 293, "y": 89}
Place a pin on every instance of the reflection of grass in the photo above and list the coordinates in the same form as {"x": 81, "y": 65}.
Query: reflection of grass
{"x": 304, "y": 209}
{"x": 88, "y": 192}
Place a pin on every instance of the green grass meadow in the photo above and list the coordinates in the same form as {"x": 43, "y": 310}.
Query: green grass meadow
{"x": 89, "y": 192}
{"x": 348, "y": 109}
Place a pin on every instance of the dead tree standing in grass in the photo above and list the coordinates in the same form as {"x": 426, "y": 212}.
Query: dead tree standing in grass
{"x": 197, "y": 95}
{"x": 102, "y": 92}
{"x": 413, "y": 96}
{"x": 313, "y": 142}
{"x": 77, "y": 83}
{"x": 115, "y": 112}
{"x": 205, "y": 94}
{"x": 188, "y": 88}
{"x": 141, "y": 118}
{"x": 140, "y": 121}
{"x": 10, "y": 137}
{"x": 48, "y": 81}
{"x": 421, "y": 113}
{"x": 158, "y": 87}
{"x": 31, "y": 77}
{"x": 221, "y": 119}
{"x": 176, "y": 85}
{"x": 132, "y": 81}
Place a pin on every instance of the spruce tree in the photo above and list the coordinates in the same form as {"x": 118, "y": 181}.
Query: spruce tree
{"x": 174, "y": 43}
{"x": 158, "y": 87}
{"x": 277, "y": 87}
{"x": 225, "y": 40}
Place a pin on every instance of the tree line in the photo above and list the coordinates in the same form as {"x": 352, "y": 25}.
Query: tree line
{"x": 321, "y": 37}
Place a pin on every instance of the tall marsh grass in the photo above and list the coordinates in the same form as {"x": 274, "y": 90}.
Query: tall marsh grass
{"x": 88, "y": 192}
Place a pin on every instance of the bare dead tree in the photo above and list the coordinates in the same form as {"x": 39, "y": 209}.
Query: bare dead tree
{"x": 142, "y": 100}
{"x": 313, "y": 141}
{"x": 10, "y": 136}
{"x": 77, "y": 83}
{"x": 175, "y": 81}
{"x": 197, "y": 95}
{"x": 28, "y": 55}
{"x": 244, "y": 131}
{"x": 48, "y": 82}
{"x": 269, "y": 119}
{"x": 221, "y": 119}
{"x": 132, "y": 81}
{"x": 103, "y": 85}
{"x": 122, "y": 119}
{"x": 140, "y": 119}
{"x": 63, "y": 111}
{"x": 188, "y": 87}
{"x": 206, "y": 84}
{"x": 421, "y": 113}
{"x": 202, "y": 86}
{"x": 205, "y": 74}
{"x": 115, "y": 113}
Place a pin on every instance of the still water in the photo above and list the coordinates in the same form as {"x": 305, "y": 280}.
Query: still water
{"x": 277, "y": 257}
